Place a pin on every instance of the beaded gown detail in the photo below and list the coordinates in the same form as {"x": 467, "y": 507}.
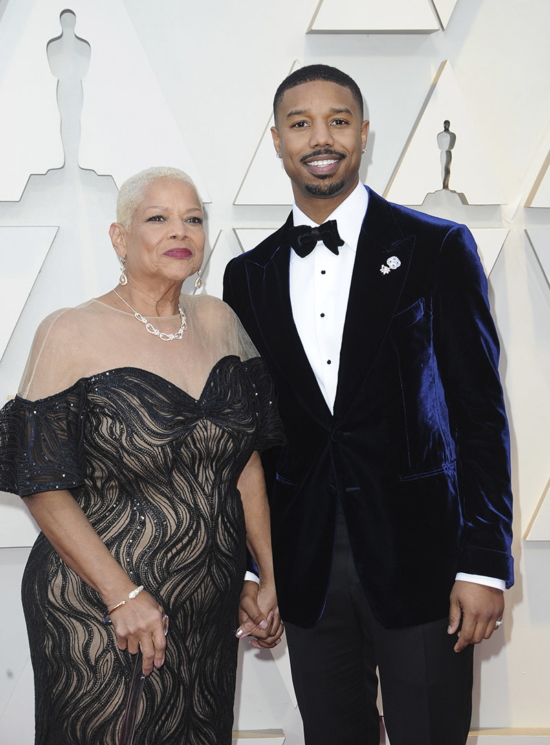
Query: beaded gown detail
{"x": 155, "y": 470}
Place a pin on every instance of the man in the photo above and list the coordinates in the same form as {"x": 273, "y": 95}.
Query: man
{"x": 391, "y": 503}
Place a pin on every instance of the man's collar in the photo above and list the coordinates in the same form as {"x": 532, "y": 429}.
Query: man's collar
{"x": 350, "y": 215}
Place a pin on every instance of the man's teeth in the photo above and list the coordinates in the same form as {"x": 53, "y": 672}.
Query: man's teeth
{"x": 322, "y": 163}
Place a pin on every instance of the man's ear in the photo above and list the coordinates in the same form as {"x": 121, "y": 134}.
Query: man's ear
{"x": 117, "y": 234}
{"x": 276, "y": 141}
{"x": 364, "y": 132}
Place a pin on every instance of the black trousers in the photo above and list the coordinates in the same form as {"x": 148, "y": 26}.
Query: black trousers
{"x": 426, "y": 686}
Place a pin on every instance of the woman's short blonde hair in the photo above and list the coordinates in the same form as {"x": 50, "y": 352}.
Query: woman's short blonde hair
{"x": 133, "y": 190}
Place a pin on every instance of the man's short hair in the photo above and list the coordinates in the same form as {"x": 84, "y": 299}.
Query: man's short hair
{"x": 309, "y": 74}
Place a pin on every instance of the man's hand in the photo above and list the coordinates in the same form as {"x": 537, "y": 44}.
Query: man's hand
{"x": 479, "y": 607}
{"x": 259, "y": 616}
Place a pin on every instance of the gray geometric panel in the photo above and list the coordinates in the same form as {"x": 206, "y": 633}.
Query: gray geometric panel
{"x": 22, "y": 253}
{"x": 14, "y": 726}
{"x": 489, "y": 245}
{"x": 540, "y": 193}
{"x": 444, "y": 10}
{"x": 16, "y": 684}
{"x": 539, "y": 526}
{"x": 17, "y": 528}
{"x": 371, "y": 16}
{"x": 265, "y": 181}
{"x": 540, "y": 240}
{"x": 214, "y": 269}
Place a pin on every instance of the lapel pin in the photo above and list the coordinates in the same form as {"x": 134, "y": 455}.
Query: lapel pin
{"x": 392, "y": 263}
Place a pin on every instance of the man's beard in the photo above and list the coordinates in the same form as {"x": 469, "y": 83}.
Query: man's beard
{"x": 324, "y": 191}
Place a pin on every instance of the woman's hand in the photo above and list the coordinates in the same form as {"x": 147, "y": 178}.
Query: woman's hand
{"x": 139, "y": 623}
{"x": 259, "y": 615}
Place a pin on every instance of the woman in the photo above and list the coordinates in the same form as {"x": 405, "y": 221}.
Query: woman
{"x": 136, "y": 453}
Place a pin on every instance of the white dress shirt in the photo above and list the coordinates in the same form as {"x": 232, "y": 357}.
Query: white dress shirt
{"x": 319, "y": 291}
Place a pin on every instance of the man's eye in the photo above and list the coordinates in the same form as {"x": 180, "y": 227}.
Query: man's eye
{"x": 299, "y": 125}
{"x": 339, "y": 121}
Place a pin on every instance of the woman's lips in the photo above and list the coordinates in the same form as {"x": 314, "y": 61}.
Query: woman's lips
{"x": 179, "y": 253}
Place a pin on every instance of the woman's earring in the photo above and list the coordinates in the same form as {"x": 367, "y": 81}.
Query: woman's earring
{"x": 198, "y": 281}
{"x": 278, "y": 155}
{"x": 123, "y": 279}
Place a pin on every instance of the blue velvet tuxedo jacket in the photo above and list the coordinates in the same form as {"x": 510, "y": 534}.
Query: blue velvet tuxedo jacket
{"x": 417, "y": 450}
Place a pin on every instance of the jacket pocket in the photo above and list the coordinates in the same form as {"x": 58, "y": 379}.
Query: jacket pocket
{"x": 409, "y": 316}
{"x": 445, "y": 468}
{"x": 282, "y": 480}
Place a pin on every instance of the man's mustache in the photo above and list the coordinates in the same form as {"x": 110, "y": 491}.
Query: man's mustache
{"x": 323, "y": 151}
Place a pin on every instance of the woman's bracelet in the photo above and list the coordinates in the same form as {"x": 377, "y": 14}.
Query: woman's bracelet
{"x": 131, "y": 596}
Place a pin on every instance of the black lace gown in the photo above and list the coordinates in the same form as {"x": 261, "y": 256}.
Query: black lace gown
{"x": 155, "y": 471}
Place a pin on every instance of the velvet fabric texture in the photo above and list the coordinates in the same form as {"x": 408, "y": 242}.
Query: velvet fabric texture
{"x": 417, "y": 450}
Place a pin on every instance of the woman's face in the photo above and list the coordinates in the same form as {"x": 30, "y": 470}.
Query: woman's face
{"x": 166, "y": 238}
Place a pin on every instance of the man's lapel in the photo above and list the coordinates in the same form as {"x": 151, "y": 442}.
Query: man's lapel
{"x": 373, "y": 297}
{"x": 270, "y": 295}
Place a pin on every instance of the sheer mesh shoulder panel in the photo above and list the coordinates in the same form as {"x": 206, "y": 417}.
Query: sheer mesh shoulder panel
{"x": 95, "y": 337}
{"x": 50, "y": 365}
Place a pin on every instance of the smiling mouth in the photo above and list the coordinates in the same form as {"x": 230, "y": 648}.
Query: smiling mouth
{"x": 322, "y": 163}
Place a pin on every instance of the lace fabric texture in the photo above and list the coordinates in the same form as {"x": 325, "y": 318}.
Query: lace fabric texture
{"x": 151, "y": 438}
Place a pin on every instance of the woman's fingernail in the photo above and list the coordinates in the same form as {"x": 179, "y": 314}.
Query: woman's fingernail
{"x": 262, "y": 624}
{"x": 278, "y": 641}
{"x": 158, "y": 663}
{"x": 239, "y": 633}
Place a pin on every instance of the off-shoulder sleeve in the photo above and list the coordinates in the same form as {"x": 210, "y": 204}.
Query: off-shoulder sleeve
{"x": 41, "y": 442}
{"x": 269, "y": 432}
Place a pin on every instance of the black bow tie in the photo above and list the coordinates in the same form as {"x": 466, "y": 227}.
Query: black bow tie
{"x": 303, "y": 239}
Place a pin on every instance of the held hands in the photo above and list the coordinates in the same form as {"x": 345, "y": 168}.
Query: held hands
{"x": 479, "y": 607}
{"x": 259, "y": 616}
{"x": 139, "y": 623}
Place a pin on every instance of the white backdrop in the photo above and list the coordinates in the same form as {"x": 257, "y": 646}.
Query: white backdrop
{"x": 191, "y": 84}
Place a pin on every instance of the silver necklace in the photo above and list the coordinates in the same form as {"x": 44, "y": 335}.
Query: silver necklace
{"x": 151, "y": 329}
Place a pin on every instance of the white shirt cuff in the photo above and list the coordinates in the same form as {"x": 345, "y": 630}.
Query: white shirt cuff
{"x": 251, "y": 577}
{"x": 480, "y": 579}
